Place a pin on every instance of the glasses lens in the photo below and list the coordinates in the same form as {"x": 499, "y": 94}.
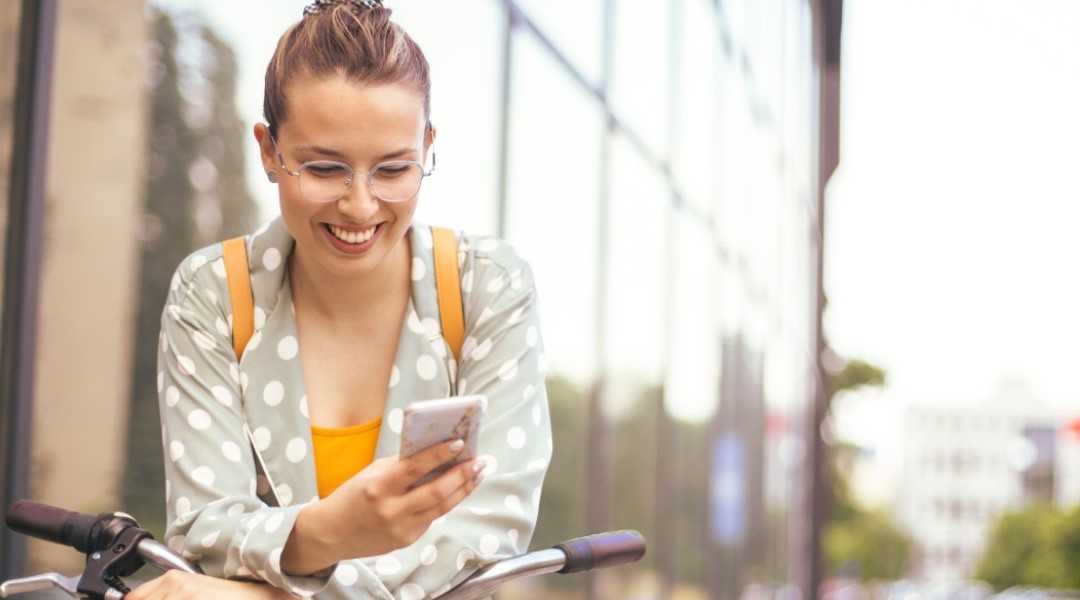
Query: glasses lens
{"x": 397, "y": 181}
{"x": 324, "y": 181}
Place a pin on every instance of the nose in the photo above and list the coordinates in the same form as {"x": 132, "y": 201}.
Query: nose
{"x": 359, "y": 201}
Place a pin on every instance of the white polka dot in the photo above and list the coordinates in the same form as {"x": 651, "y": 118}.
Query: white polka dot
{"x": 515, "y": 280}
{"x": 234, "y": 370}
{"x": 275, "y": 559}
{"x": 287, "y": 348}
{"x": 466, "y": 282}
{"x": 431, "y": 327}
{"x": 221, "y": 326}
{"x": 210, "y": 539}
{"x": 480, "y": 510}
{"x": 513, "y": 535}
{"x": 429, "y": 555}
{"x": 173, "y": 311}
{"x": 203, "y": 475}
{"x": 219, "y": 267}
{"x": 462, "y": 386}
{"x": 271, "y": 259}
{"x": 464, "y": 557}
{"x": 160, "y": 381}
{"x": 473, "y": 350}
{"x": 508, "y": 370}
{"x": 542, "y": 363}
{"x": 426, "y": 239}
{"x": 183, "y": 506}
{"x": 492, "y": 464}
{"x": 346, "y": 574}
{"x": 172, "y": 396}
{"x": 222, "y": 395}
{"x": 387, "y": 565}
{"x": 413, "y": 322}
{"x": 243, "y": 383}
{"x": 489, "y": 545}
{"x": 254, "y": 342}
{"x": 261, "y": 438}
{"x": 515, "y": 316}
{"x": 176, "y": 543}
{"x": 174, "y": 282}
{"x": 395, "y": 376}
{"x": 537, "y": 465}
{"x": 231, "y": 450}
{"x": 296, "y": 450}
{"x": 419, "y": 269}
{"x": 425, "y": 367}
{"x": 185, "y": 364}
{"x": 199, "y": 419}
{"x": 197, "y": 262}
{"x": 164, "y": 339}
{"x": 204, "y": 341}
{"x": 235, "y": 510}
{"x": 176, "y": 450}
{"x": 284, "y": 494}
{"x": 395, "y": 418}
{"x": 514, "y": 503}
{"x": 260, "y": 317}
{"x": 532, "y": 335}
{"x": 274, "y": 522}
{"x": 496, "y": 284}
{"x": 304, "y": 407}
{"x": 168, "y": 491}
{"x": 411, "y": 591}
{"x": 273, "y": 393}
{"x": 516, "y": 438}
{"x": 537, "y": 414}
{"x": 244, "y": 572}
{"x": 485, "y": 314}
{"x": 536, "y": 497}
{"x": 488, "y": 245}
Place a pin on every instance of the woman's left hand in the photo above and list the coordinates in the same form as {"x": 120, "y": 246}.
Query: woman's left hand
{"x": 179, "y": 585}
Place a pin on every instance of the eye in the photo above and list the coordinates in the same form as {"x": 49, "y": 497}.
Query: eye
{"x": 392, "y": 170}
{"x": 327, "y": 170}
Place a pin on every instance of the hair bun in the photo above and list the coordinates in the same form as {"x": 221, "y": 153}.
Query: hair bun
{"x": 356, "y": 5}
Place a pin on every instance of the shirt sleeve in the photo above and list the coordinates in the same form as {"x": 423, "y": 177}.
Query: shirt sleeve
{"x": 214, "y": 514}
{"x": 502, "y": 357}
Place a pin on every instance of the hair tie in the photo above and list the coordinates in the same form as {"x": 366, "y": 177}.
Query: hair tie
{"x": 357, "y": 5}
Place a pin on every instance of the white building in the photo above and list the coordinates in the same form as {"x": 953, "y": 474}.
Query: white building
{"x": 965, "y": 466}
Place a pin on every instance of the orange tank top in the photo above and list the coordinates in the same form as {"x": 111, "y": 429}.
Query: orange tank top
{"x": 341, "y": 452}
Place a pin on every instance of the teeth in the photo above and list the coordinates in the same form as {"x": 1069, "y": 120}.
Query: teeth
{"x": 352, "y": 237}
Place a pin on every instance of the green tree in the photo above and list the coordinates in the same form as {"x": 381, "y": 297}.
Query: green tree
{"x": 1036, "y": 546}
{"x": 855, "y": 541}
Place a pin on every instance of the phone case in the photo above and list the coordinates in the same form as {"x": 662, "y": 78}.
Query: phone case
{"x": 430, "y": 422}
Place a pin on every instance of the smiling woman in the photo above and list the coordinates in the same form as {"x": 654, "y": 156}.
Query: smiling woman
{"x": 346, "y": 335}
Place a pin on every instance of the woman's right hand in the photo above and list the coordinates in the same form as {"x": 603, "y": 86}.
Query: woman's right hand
{"x": 376, "y": 512}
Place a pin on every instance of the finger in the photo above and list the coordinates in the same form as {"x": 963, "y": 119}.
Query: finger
{"x": 448, "y": 490}
{"x": 427, "y": 460}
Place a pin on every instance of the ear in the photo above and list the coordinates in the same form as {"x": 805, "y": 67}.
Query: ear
{"x": 429, "y": 139}
{"x": 266, "y": 147}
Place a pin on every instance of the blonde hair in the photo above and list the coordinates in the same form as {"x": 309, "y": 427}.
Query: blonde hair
{"x": 354, "y": 40}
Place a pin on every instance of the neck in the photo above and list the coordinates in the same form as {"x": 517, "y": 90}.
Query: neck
{"x": 348, "y": 296}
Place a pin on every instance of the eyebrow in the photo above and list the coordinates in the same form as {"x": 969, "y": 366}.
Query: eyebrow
{"x": 341, "y": 157}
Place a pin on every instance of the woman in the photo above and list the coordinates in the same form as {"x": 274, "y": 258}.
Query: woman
{"x": 346, "y": 334}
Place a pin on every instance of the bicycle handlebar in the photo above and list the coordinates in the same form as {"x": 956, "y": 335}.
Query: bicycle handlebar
{"x": 602, "y": 550}
{"x": 55, "y": 524}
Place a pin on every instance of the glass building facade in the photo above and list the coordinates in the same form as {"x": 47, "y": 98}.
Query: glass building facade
{"x": 660, "y": 164}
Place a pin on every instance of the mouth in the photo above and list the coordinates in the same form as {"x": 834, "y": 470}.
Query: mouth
{"x": 352, "y": 237}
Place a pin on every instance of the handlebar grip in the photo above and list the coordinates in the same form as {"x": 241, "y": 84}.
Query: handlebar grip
{"x": 52, "y": 523}
{"x": 602, "y": 550}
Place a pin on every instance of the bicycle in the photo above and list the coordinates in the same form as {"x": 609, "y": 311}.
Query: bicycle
{"x": 116, "y": 547}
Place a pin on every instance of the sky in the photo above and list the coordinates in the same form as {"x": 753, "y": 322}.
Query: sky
{"x": 950, "y": 242}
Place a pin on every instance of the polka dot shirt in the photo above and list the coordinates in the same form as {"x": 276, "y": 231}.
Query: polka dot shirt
{"x": 237, "y": 437}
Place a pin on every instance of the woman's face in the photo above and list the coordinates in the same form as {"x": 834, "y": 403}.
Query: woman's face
{"x": 360, "y": 125}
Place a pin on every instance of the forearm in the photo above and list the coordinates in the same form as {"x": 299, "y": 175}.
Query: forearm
{"x": 310, "y": 547}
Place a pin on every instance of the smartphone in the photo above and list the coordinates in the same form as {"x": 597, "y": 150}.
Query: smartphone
{"x": 430, "y": 422}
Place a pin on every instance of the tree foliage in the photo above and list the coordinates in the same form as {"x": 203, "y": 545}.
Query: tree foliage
{"x": 1038, "y": 546}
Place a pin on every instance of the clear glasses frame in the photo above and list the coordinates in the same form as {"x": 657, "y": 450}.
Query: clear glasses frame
{"x": 391, "y": 181}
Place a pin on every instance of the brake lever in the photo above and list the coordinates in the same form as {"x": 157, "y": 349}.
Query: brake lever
{"x": 37, "y": 583}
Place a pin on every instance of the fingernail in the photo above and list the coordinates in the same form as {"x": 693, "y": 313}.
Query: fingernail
{"x": 457, "y": 446}
{"x": 478, "y": 466}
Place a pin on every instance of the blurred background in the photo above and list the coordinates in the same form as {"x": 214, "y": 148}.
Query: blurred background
{"x": 804, "y": 267}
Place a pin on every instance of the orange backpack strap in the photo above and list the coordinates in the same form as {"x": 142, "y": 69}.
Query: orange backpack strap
{"x": 243, "y": 306}
{"x": 448, "y": 285}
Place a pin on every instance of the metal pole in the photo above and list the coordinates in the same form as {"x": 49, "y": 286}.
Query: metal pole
{"x": 23, "y": 259}
{"x": 504, "y": 119}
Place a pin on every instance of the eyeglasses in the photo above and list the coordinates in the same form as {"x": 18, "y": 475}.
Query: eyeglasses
{"x": 327, "y": 181}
